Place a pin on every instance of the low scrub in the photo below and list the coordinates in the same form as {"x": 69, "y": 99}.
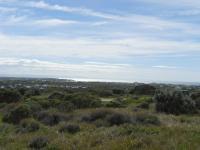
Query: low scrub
{"x": 81, "y": 100}
{"x": 70, "y": 128}
{"x": 118, "y": 118}
{"x": 51, "y": 118}
{"x": 9, "y": 96}
{"x": 116, "y": 103}
{"x": 146, "y": 119}
{"x": 28, "y": 125}
{"x": 174, "y": 102}
{"x": 109, "y": 117}
{"x": 56, "y": 95}
{"x": 143, "y": 89}
{"x": 38, "y": 142}
{"x": 16, "y": 114}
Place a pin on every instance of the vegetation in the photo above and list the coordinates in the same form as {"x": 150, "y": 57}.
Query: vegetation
{"x": 174, "y": 102}
{"x": 9, "y": 96}
{"x": 57, "y": 114}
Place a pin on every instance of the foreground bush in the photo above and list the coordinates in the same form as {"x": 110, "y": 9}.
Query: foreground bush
{"x": 16, "y": 114}
{"x": 146, "y": 119}
{"x": 108, "y": 117}
{"x": 70, "y": 128}
{"x": 38, "y": 142}
{"x": 117, "y": 118}
{"x": 96, "y": 115}
{"x": 174, "y": 102}
{"x": 28, "y": 125}
{"x": 51, "y": 118}
{"x": 9, "y": 96}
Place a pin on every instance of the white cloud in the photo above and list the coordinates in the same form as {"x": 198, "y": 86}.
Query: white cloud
{"x": 53, "y": 22}
{"x": 144, "y": 21}
{"x": 165, "y": 67}
{"x": 90, "y": 48}
{"x": 56, "y": 7}
{"x": 139, "y": 21}
{"x": 26, "y": 21}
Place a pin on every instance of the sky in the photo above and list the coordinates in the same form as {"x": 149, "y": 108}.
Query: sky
{"x": 115, "y": 40}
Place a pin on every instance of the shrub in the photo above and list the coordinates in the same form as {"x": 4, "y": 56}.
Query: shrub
{"x": 174, "y": 102}
{"x": 34, "y": 106}
{"x": 147, "y": 119}
{"x": 117, "y": 118}
{"x": 28, "y": 125}
{"x": 70, "y": 128}
{"x": 43, "y": 102}
{"x": 2, "y": 105}
{"x": 117, "y": 103}
{"x": 56, "y": 95}
{"x": 16, "y": 114}
{"x": 66, "y": 106}
{"x": 97, "y": 114}
{"x": 108, "y": 116}
{"x": 51, "y": 118}
{"x": 32, "y": 92}
{"x": 196, "y": 97}
{"x": 5, "y": 128}
{"x": 143, "y": 89}
{"x": 9, "y": 96}
{"x": 144, "y": 105}
{"x": 105, "y": 93}
{"x": 38, "y": 142}
{"x": 118, "y": 91}
{"x": 83, "y": 100}
{"x": 22, "y": 91}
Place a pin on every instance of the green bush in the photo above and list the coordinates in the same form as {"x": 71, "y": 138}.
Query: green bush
{"x": 196, "y": 97}
{"x": 66, "y": 106}
{"x": 38, "y": 142}
{"x": 43, "y": 102}
{"x": 144, "y": 105}
{"x": 51, "y": 118}
{"x": 143, "y": 89}
{"x": 105, "y": 93}
{"x": 34, "y": 106}
{"x": 32, "y": 92}
{"x": 174, "y": 102}
{"x": 146, "y": 119}
{"x": 81, "y": 100}
{"x": 9, "y": 96}
{"x": 117, "y": 118}
{"x": 117, "y": 103}
{"x": 70, "y": 128}
{"x": 118, "y": 91}
{"x": 108, "y": 116}
{"x": 56, "y": 95}
{"x": 28, "y": 125}
{"x": 97, "y": 114}
{"x": 16, "y": 114}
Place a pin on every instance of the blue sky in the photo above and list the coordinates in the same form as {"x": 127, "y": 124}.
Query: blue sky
{"x": 115, "y": 40}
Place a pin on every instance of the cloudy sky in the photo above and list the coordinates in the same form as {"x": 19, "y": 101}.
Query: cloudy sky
{"x": 112, "y": 40}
